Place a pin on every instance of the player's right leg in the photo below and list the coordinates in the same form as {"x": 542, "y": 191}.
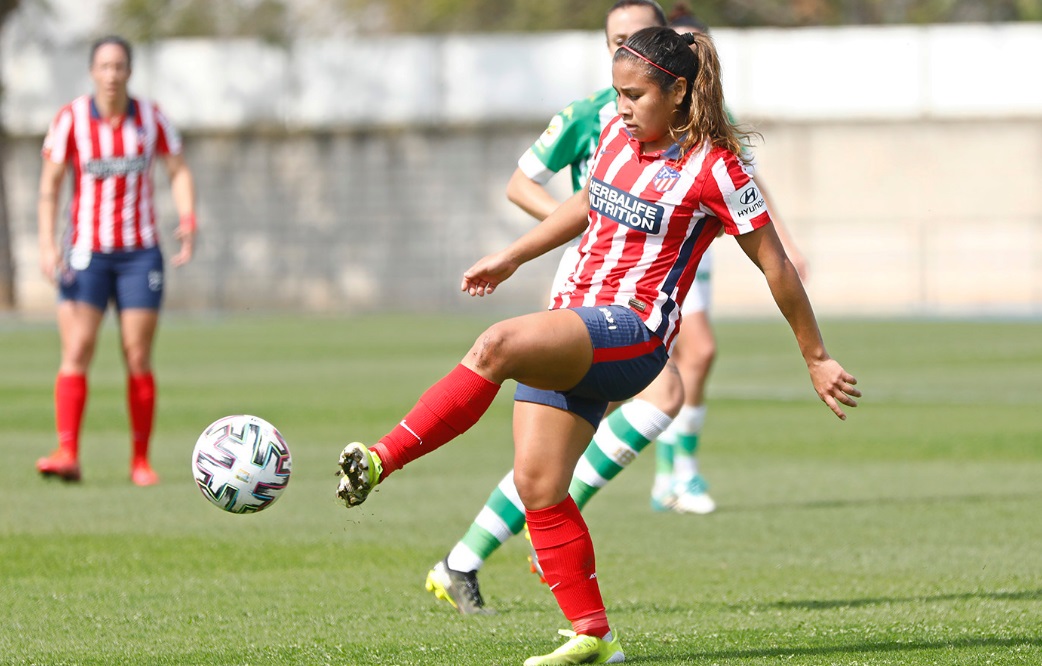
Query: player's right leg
{"x": 83, "y": 298}
{"x": 617, "y": 442}
{"x": 550, "y": 348}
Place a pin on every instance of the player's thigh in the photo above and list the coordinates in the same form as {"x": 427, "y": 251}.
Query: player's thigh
{"x": 548, "y": 350}
{"x": 694, "y": 352}
{"x": 695, "y": 346}
{"x": 139, "y": 280}
{"x": 139, "y": 295}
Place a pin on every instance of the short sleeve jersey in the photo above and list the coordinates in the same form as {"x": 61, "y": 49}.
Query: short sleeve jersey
{"x": 570, "y": 139}
{"x": 111, "y": 162}
{"x": 652, "y": 216}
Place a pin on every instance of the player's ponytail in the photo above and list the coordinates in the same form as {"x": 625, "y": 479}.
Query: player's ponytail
{"x": 707, "y": 117}
{"x": 693, "y": 58}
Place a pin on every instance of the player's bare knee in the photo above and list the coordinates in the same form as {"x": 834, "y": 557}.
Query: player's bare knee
{"x": 535, "y": 492}
{"x": 488, "y": 354}
{"x": 696, "y": 363}
{"x": 138, "y": 362}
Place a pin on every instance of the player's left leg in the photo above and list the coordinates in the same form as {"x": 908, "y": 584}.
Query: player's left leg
{"x": 619, "y": 439}
{"x": 547, "y": 444}
{"x": 139, "y": 294}
{"x": 678, "y": 484}
{"x": 690, "y": 491}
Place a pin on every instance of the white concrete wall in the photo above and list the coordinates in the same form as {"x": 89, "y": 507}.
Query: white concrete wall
{"x": 906, "y": 161}
{"x": 867, "y": 73}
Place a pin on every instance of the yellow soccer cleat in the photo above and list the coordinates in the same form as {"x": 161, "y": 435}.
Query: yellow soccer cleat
{"x": 581, "y": 649}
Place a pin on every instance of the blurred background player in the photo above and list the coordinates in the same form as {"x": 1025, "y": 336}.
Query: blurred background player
{"x": 679, "y": 486}
{"x": 110, "y": 252}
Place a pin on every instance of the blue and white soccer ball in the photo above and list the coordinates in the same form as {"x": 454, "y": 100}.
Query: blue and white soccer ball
{"x": 241, "y": 463}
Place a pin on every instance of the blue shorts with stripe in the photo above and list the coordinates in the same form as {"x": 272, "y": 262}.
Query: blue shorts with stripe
{"x": 626, "y": 358}
{"x": 131, "y": 279}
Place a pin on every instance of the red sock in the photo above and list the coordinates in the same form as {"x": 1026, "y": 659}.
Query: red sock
{"x": 141, "y": 403}
{"x": 565, "y": 549}
{"x": 70, "y": 399}
{"x": 444, "y": 411}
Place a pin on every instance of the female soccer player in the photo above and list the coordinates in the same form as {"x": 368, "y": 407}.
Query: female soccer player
{"x": 569, "y": 141}
{"x": 670, "y": 411}
{"x": 108, "y": 141}
{"x": 666, "y": 177}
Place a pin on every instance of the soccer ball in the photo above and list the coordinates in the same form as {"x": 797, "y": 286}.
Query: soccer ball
{"x": 241, "y": 463}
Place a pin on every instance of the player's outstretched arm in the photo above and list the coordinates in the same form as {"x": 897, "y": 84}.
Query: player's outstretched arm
{"x": 834, "y": 385}
{"x": 564, "y": 224}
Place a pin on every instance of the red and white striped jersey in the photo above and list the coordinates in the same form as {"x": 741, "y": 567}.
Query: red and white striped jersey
{"x": 651, "y": 218}
{"x": 111, "y": 163}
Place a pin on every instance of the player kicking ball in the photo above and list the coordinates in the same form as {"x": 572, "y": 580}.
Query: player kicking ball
{"x": 667, "y": 177}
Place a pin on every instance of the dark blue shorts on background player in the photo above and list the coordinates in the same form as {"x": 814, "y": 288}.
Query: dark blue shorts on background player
{"x": 132, "y": 279}
{"x": 626, "y": 358}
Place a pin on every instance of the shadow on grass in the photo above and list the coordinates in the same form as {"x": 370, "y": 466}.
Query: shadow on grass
{"x": 825, "y": 604}
{"x": 968, "y": 643}
{"x": 829, "y": 604}
{"x": 867, "y": 648}
{"x": 877, "y": 501}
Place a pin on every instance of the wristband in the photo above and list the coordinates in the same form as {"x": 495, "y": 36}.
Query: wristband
{"x": 188, "y": 225}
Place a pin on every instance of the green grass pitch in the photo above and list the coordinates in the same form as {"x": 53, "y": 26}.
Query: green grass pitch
{"x": 910, "y": 534}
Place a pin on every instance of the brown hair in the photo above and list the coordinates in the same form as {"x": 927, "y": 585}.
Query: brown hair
{"x": 112, "y": 39}
{"x": 692, "y": 57}
{"x": 656, "y": 9}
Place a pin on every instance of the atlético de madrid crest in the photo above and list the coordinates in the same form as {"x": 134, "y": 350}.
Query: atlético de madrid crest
{"x": 665, "y": 179}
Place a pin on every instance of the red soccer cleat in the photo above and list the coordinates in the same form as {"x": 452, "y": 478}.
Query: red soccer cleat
{"x": 142, "y": 475}
{"x": 61, "y": 465}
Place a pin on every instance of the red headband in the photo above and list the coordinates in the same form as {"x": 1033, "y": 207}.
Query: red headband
{"x": 645, "y": 59}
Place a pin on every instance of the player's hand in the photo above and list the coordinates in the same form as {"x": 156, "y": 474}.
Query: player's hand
{"x": 50, "y": 263}
{"x": 482, "y": 278}
{"x": 187, "y": 238}
{"x": 834, "y": 385}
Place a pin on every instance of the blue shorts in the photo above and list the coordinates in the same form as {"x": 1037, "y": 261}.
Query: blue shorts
{"x": 132, "y": 279}
{"x": 626, "y": 358}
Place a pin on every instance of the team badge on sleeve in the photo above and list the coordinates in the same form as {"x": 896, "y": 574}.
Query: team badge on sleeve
{"x": 552, "y": 131}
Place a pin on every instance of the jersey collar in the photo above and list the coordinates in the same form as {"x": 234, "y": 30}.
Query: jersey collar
{"x": 131, "y": 111}
{"x": 673, "y": 153}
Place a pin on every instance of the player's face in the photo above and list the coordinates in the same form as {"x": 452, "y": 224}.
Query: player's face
{"x": 625, "y": 21}
{"x": 110, "y": 71}
{"x": 648, "y": 111}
